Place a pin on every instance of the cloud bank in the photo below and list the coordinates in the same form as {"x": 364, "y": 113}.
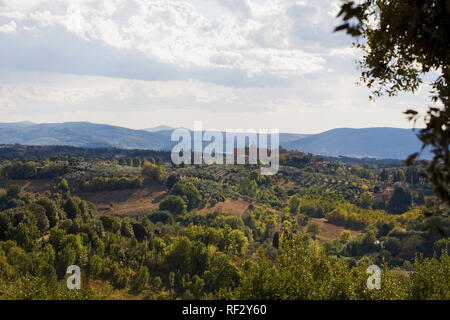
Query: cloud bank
{"x": 138, "y": 63}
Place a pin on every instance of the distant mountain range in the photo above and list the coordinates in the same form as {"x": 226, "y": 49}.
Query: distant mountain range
{"x": 381, "y": 143}
{"x": 81, "y": 134}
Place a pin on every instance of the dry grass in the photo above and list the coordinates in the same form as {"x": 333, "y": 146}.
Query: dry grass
{"x": 331, "y": 231}
{"x": 132, "y": 202}
{"x": 236, "y": 207}
{"x": 32, "y": 186}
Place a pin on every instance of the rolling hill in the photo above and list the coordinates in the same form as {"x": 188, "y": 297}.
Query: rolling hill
{"x": 379, "y": 143}
{"x": 80, "y": 134}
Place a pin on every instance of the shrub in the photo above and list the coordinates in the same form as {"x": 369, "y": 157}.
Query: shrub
{"x": 154, "y": 172}
{"x": 173, "y": 204}
{"x": 160, "y": 216}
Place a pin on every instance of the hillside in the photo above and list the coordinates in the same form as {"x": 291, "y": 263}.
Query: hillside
{"x": 381, "y": 143}
{"x": 80, "y": 134}
{"x": 136, "y": 228}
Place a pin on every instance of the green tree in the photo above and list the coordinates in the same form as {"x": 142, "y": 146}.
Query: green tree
{"x": 248, "y": 187}
{"x": 365, "y": 200}
{"x": 188, "y": 190}
{"x": 154, "y": 172}
{"x": 71, "y": 207}
{"x": 173, "y": 204}
{"x": 172, "y": 281}
{"x": 41, "y": 218}
{"x": 157, "y": 283}
{"x": 140, "y": 280}
{"x": 26, "y": 235}
{"x": 111, "y": 223}
{"x": 346, "y": 236}
{"x": 313, "y": 229}
{"x": 95, "y": 266}
{"x": 236, "y": 242}
{"x": 400, "y": 201}
{"x": 430, "y": 279}
{"x": 197, "y": 286}
{"x": 171, "y": 180}
{"x": 294, "y": 204}
{"x": 136, "y": 162}
{"x": 13, "y": 191}
{"x": 276, "y": 240}
{"x": 403, "y": 42}
{"x": 63, "y": 186}
{"x": 393, "y": 245}
{"x": 51, "y": 210}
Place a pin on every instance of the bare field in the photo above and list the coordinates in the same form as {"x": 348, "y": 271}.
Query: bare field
{"x": 331, "y": 231}
{"x": 236, "y": 207}
{"x": 33, "y": 186}
{"x": 139, "y": 202}
{"x": 131, "y": 202}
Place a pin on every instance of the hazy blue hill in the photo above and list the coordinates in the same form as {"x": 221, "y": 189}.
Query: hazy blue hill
{"x": 80, "y": 134}
{"x": 370, "y": 142}
{"x": 380, "y": 143}
{"x": 286, "y": 138}
{"x": 166, "y": 134}
{"x": 158, "y": 128}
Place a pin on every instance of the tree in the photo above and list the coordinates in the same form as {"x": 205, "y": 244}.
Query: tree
{"x": 313, "y": 229}
{"x": 95, "y": 266}
{"x": 393, "y": 245}
{"x": 157, "y": 283}
{"x": 248, "y": 187}
{"x": 71, "y": 207}
{"x": 64, "y": 187}
{"x": 42, "y": 221}
{"x": 172, "y": 281}
{"x": 236, "y": 242}
{"x": 346, "y": 236}
{"x": 56, "y": 238}
{"x": 154, "y": 172}
{"x": 430, "y": 279}
{"x": 188, "y": 190}
{"x": 26, "y": 236}
{"x": 136, "y": 162}
{"x": 111, "y": 223}
{"x": 404, "y": 41}
{"x": 365, "y": 200}
{"x": 160, "y": 216}
{"x": 13, "y": 192}
{"x": 173, "y": 204}
{"x": 197, "y": 286}
{"x": 294, "y": 204}
{"x": 51, "y": 210}
{"x": 171, "y": 180}
{"x": 400, "y": 201}
{"x": 276, "y": 240}
{"x": 140, "y": 280}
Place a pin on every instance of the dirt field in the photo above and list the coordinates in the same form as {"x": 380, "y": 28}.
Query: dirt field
{"x": 331, "y": 231}
{"x": 33, "y": 186}
{"x": 133, "y": 202}
{"x": 139, "y": 202}
{"x": 236, "y": 207}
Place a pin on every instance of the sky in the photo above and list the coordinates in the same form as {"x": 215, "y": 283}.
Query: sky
{"x": 237, "y": 64}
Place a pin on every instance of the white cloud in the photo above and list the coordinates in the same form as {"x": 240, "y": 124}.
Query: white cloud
{"x": 255, "y": 38}
{"x": 309, "y": 105}
{"x": 138, "y": 63}
{"x": 10, "y": 27}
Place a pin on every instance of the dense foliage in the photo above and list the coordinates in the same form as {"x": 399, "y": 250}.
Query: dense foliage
{"x": 405, "y": 42}
{"x": 276, "y": 247}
